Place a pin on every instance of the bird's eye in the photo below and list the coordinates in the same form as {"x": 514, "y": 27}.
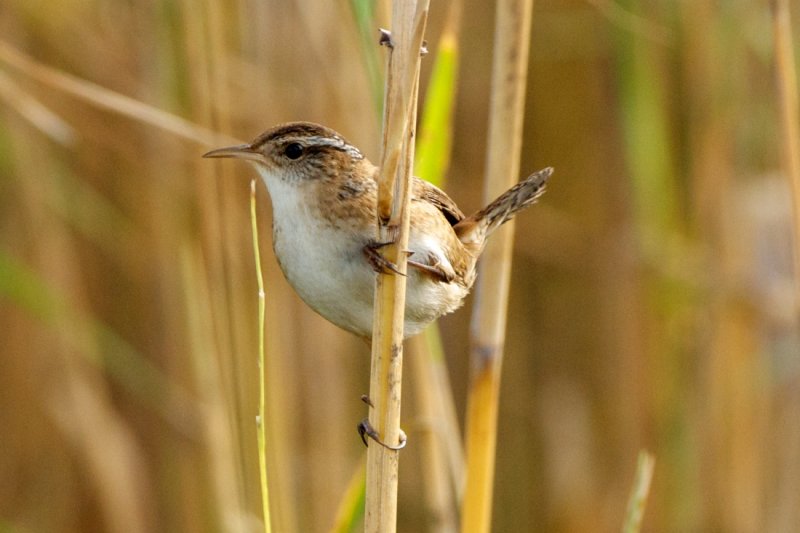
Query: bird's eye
{"x": 293, "y": 151}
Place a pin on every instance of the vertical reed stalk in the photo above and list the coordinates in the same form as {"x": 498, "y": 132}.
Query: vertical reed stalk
{"x": 402, "y": 82}
{"x": 223, "y": 257}
{"x": 787, "y": 99}
{"x": 260, "y": 422}
{"x": 440, "y": 490}
{"x": 789, "y": 478}
{"x": 442, "y": 452}
{"x": 512, "y": 34}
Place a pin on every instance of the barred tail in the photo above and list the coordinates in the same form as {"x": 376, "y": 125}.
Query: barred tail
{"x": 475, "y": 228}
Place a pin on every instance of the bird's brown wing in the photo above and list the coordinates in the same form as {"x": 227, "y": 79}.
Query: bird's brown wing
{"x": 423, "y": 191}
{"x": 427, "y": 192}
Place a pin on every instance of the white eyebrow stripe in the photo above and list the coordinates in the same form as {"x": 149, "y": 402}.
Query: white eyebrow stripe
{"x": 334, "y": 142}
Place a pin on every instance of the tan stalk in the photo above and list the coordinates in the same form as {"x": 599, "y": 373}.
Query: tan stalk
{"x": 787, "y": 98}
{"x": 441, "y": 447}
{"x": 512, "y": 34}
{"x": 440, "y": 491}
{"x": 408, "y": 26}
{"x": 786, "y": 82}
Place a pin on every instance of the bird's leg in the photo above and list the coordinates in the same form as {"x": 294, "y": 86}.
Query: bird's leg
{"x": 381, "y": 265}
{"x": 434, "y": 270}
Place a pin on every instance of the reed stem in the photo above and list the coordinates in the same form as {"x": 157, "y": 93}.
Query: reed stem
{"x": 400, "y": 112}
{"x": 509, "y": 76}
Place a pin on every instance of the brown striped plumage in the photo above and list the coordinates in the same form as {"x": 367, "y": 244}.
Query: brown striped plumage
{"x": 324, "y": 197}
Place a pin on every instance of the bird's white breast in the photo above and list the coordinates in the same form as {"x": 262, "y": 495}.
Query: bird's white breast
{"x": 326, "y": 265}
{"x": 322, "y": 263}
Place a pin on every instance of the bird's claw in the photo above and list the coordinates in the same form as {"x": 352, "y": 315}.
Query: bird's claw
{"x": 377, "y": 261}
{"x": 365, "y": 430}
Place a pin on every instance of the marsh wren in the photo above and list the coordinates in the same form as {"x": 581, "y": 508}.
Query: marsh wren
{"x": 324, "y": 220}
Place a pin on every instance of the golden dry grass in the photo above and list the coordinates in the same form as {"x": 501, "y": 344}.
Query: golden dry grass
{"x": 652, "y": 304}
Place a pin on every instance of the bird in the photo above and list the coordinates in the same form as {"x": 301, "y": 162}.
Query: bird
{"x": 324, "y": 226}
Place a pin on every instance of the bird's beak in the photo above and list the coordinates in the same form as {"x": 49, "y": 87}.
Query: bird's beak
{"x": 240, "y": 151}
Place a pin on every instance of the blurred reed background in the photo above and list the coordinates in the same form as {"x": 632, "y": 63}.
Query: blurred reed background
{"x": 653, "y": 301}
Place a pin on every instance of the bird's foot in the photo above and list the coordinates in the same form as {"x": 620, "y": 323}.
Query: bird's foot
{"x": 377, "y": 261}
{"x": 365, "y": 430}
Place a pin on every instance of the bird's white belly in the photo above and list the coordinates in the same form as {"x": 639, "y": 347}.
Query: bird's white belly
{"x": 327, "y": 268}
{"x": 333, "y": 277}
{"x": 328, "y": 272}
